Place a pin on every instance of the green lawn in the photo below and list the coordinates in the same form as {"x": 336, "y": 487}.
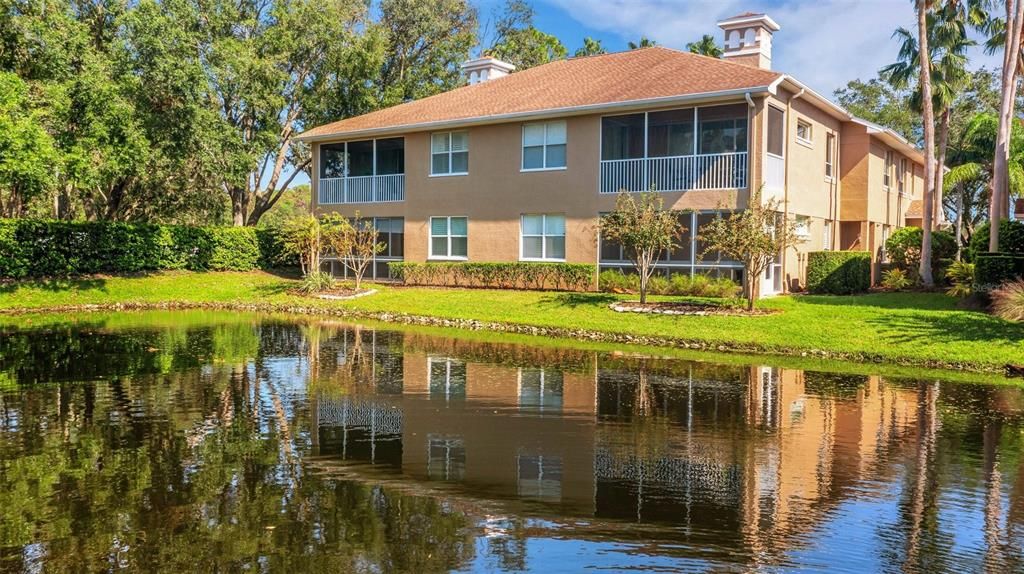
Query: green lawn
{"x": 920, "y": 329}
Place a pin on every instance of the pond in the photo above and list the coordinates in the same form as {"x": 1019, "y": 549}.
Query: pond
{"x": 188, "y": 441}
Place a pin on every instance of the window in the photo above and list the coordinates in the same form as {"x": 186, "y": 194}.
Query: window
{"x": 803, "y": 226}
{"x": 449, "y": 153}
{"x": 446, "y": 457}
{"x": 540, "y": 389}
{"x": 544, "y": 145}
{"x": 827, "y": 239}
{"x": 670, "y": 133}
{"x": 723, "y": 129}
{"x": 901, "y": 178}
{"x": 887, "y": 174}
{"x": 622, "y": 137}
{"x": 543, "y": 237}
{"x": 776, "y": 131}
{"x": 803, "y": 131}
{"x": 447, "y": 378}
{"x": 448, "y": 237}
{"x": 539, "y": 476}
{"x": 830, "y": 144}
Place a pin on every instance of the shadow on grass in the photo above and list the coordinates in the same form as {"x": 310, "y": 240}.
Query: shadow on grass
{"x": 949, "y": 328}
{"x": 578, "y": 299}
{"x": 922, "y": 301}
{"x": 272, "y": 289}
{"x": 55, "y": 285}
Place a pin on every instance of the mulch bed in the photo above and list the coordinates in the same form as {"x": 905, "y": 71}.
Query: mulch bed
{"x": 687, "y": 308}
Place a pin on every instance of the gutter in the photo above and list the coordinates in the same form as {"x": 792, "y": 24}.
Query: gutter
{"x": 540, "y": 114}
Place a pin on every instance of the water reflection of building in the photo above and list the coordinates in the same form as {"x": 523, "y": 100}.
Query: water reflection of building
{"x": 757, "y": 454}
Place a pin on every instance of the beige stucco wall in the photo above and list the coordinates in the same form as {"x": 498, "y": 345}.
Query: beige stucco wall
{"x": 496, "y": 192}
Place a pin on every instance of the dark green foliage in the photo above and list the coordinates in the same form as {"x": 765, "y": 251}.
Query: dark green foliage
{"x": 838, "y": 272}
{"x": 613, "y": 281}
{"x": 273, "y": 255}
{"x": 1011, "y": 238}
{"x": 518, "y": 275}
{"x": 904, "y": 248}
{"x": 993, "y": 269}
{"x": 36, "y": 248}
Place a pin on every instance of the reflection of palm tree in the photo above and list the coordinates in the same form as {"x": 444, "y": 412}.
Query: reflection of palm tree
{"x": 994, "y": 559}
{"x": 924, "y": 493}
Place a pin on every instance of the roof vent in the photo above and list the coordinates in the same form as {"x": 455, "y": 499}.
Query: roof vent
{"x": 480, "y": 70}
{"x": 748, "y": 39}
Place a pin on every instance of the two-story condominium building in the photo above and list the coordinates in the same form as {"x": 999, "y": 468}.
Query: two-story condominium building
{"x": 519, "y": 166}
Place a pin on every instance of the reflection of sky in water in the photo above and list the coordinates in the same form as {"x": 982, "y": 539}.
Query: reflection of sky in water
{"x": 492, "y": 455}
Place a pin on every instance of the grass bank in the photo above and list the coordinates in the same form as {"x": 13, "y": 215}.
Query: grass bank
{"x": 909, "y": 329}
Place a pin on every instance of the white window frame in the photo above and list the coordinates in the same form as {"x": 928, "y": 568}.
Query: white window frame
{"x": 544, "y": 147}
{"x": 830, "y": 155}
{"x": 887, "y": 174}
{"x": 802, "y": 224}
{"x": 449, "y": 153}
{"x": 448, "y": 237}
{"x": 901, "y": 176}
{"x": 827, "y": 233}
{"x": 543, "y": 236}
{"x": 809, "y": 140}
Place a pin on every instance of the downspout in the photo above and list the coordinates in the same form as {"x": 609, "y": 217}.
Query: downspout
{"x": 751, "y": 282}
{"x": 785, "y": 180}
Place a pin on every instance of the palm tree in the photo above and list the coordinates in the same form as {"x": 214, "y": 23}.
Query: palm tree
{"x": 947, "y": 36}
{"x": 1014, "y": 22}
{"x": 591, "y": 47}
{"x": 706, "y": 46}
{"x": 973, "y": 172}
{"x": 644, "y": 42}
{"x": 928, "y": 120}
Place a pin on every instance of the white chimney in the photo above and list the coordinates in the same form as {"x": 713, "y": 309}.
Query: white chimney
{"x": 748, "y": 39}
{"x": 486, "y": 68}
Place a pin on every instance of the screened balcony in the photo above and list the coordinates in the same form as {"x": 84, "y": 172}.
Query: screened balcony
{"x": 367, "y": 171}
{"x": 675, "y": 150}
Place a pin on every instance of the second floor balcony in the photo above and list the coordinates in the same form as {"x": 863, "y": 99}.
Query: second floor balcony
{"x": 675, "y": 150}
{"x": 367, "y": 171}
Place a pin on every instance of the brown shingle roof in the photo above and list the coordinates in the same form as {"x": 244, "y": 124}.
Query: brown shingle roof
{"x": 622, "y": 77}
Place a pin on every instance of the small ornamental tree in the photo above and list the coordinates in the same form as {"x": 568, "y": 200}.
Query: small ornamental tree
{"x": 754, "y": 236}
{"x": 354, "y": 242}
{"x": 644, "y": 229}
{"x": 302, "y": 236}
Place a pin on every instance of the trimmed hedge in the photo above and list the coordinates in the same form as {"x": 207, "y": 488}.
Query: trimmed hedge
{"x": 904, "y": 248}
{"x": 38, "y": 248}
{"x": 838, "y": 272}
{"x": 1011, "y": 238}
{"x": 993, "y": 269}
{"x": 519, "y": 275}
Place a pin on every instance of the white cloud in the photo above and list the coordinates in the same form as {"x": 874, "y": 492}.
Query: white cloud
{"x": 824, "y": 43}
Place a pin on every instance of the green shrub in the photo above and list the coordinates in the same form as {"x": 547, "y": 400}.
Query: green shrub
{"x": 1008, "y": 301}
{"x": 961, "y": 279}
{"x": 272, "y": 252}
{"x": 316, "y": 282}
{"x": 517, "y": 275}
{"x": 659, "y": 285}
{"x": 896, "y": 279}
{"x": 838, "y": 272}
{"x": 38, "y": 248}
{"x": 234, "y": 249}
{"x": 904, "y": 248}
{"x": 615, "y": 281}
{"x": 679, "y": 284}
{"x": 993, "y": 269}
{"x": 1011, "y": 239}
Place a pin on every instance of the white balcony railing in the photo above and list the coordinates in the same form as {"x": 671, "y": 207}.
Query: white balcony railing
{"x": 675, "y": 173}
{"x": 362, "y": 189}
